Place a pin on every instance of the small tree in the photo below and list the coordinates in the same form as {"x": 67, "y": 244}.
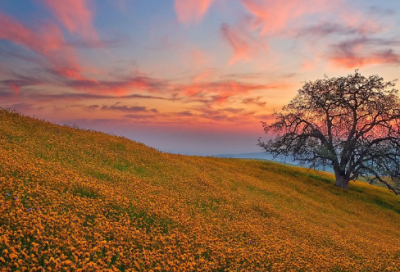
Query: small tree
{"x": 349, "y": 123}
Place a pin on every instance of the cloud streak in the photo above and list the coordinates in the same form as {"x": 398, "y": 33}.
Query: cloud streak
{"x": 219, "y": 91}
{"x": 329, "y": 28}
{"x": 88, "y": 96}
{"x": 357, "y": 60}
{"x": 74, "y": 16}
{"x": 244, "y": 46}
{"x": 16, "y": 84}
{"x": 188, "y": 11}
{"x": 129, "y": 109}
{"x": 272, "y": 16}
{"x": 118, "y": 87}
{"x": 255, "y": 100}
{"x": 363, "y": 51}
{"x": 47, "y": 41}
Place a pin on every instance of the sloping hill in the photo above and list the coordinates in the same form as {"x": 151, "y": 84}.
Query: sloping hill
{"x": 78, "y": 199}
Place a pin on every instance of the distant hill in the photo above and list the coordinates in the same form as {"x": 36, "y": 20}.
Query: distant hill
{"x": 258, "y": 156}
{"x": 269, "y": 157}
{"x": 81, "y": 200}
{"x": 254, "y": 155}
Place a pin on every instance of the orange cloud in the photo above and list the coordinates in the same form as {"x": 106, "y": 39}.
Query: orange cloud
{"x": 220, "y": 91}
{"x": 308, "y": 65}
{"x": 244, "y": 46}
{"x": 191, "y": 10}
{"x": 75, "y": 16}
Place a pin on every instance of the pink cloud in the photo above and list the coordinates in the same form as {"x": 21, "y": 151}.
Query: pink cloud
{"x": 75, "y": 16}
{"x": 15, "y": 88}
{"x": 272, "y": 16}
{"x": 358, "y": 20}
{"x": 71, "y": 73}
{"x": 206, "y": 75}
{"x": 118, "y": 87}
{"x": 17, "y": 83}
{"x": 195, "y": 58}
{"x": 244, "y": 46}
{"x": 47, "y": 40}
{"x": 363, "y": 51}
{"x": 44, "y": 42}
{"x": 188, "y": 11}
{"x": 359, "y": 60}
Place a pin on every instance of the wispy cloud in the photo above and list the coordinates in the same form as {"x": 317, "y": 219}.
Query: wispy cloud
{"x": 197, "y": 58}
{"x": 189, "y": 11}
{"x": 44, "y": 41}
{"x": 348, "y": 21}
{"x": 76, "y": 16}
{"x": 139, "y": 116}
{"x": 118, "y": 87}
{"x": 328, "y": 28}
{"x": 273, "y": 16}
{"x": 5, "y": 94}
{"x": 244, "y": 46}
{"x": 8, "y": 52}
{"x": 356, "y": 60}
{"x": 363, "y": 51}
{"x": 185, "y": 113}
{"x": 224, "y": 114}
{"x": 218, "y": 91}
{"x": 308, "y": 65}
{"x": 116, "y": 40}
{"x": 87, "y": 96}
{"x": 255, "y": 100}
{"x": 128, "y": 109}
{"x": 16, "y": 84}
{"x": 47, "y": 41}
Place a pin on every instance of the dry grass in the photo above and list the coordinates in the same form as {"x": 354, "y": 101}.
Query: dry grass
{"x": 75, "y": 200}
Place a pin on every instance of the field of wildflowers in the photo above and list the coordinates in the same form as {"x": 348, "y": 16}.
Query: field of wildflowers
{"x": 81, "y": 200}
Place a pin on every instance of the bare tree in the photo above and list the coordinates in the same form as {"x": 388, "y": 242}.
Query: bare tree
{"x": 351, "y": 124}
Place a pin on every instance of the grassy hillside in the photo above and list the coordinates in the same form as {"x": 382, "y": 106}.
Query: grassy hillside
{"x": 78, "y": 199}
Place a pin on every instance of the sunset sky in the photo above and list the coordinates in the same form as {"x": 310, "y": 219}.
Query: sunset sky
{"x": 185, "y": 76}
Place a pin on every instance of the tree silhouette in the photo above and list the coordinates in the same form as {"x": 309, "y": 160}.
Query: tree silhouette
{"x": 349, "y": 123}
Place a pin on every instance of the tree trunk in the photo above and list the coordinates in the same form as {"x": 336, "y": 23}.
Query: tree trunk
{"x": 342, "y": 181}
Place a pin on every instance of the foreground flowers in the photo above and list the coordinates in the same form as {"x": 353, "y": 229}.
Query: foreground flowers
{"x": 74, "y": 200}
